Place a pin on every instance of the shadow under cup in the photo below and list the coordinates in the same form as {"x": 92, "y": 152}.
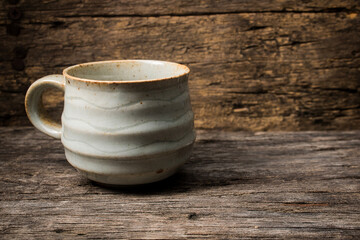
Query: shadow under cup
{"x": 125, "y": 122}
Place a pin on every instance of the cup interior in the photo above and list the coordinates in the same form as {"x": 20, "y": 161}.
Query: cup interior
{"x": 127, "y": 70}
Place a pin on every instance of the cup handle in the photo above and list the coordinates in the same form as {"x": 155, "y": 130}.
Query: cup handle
{"x": 35, "y": 107}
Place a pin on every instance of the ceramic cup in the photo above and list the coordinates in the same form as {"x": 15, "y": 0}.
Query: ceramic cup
{"x": 124, "y": 122}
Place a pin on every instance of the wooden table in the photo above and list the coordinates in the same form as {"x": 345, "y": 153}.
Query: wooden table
{"x": 236, "y": 185}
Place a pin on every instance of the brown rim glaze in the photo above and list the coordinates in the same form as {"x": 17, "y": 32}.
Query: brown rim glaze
{"x": 65, "y": 71}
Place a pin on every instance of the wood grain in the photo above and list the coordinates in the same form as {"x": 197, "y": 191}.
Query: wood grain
{"x": 236, "y": 185}
{"x": 269, "y": 65}
{"x": 106, "y": 8}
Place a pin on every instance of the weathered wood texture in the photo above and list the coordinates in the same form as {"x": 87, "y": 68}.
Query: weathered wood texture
{"x": 236, "y": 185}
{"x": 256, "y": 65}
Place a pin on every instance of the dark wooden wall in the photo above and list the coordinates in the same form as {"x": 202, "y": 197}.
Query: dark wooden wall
{"x": 256, "y": 65}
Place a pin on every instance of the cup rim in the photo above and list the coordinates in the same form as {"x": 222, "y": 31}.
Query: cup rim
{"x": 67, "y": 75}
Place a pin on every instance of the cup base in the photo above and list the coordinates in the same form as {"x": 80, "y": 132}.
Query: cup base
{"x": 134, "y": 171}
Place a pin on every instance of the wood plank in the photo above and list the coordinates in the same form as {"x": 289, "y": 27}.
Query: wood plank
{"x": 108, "y": 8}
{"x": 236, "y": 185}
{"x": 252, "y": 69}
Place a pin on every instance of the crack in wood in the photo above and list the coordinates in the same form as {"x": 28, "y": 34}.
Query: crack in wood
{"x": 189, "y": 14}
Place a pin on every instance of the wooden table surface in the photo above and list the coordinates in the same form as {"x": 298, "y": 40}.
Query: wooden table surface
{"x": 236, "y": 185}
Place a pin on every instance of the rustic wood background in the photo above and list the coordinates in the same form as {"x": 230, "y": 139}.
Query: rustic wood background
{"x": 256, "y": 65}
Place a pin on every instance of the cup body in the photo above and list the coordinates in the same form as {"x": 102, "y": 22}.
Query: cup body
{"x": 127, "y": 122}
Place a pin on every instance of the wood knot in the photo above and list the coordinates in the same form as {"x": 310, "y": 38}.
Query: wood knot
{"x": 20, "y": 52}
{"x": 14, "y": 14}
{"x": 192, "y": 216}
